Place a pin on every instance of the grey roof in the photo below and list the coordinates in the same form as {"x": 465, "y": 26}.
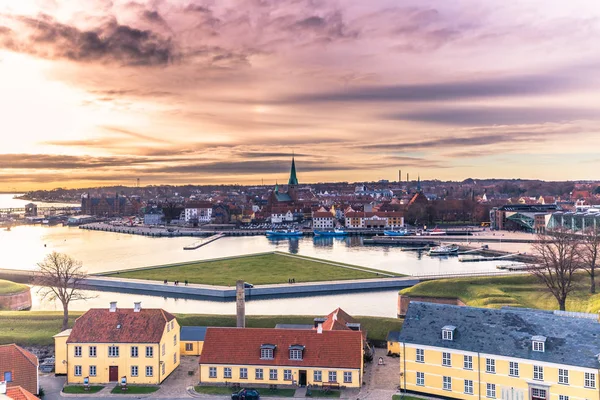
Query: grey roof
{"x": 192, "y": 333}
{"x": 393, "y": 336}
{"x": 293, "y": 326}
{"x": 505, "y": 332}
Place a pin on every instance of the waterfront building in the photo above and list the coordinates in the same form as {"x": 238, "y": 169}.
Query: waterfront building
{"x": 522, "y": 217}
{"x": 105, "y": 345}
{"x": 323, "y": 220}
{"x": 576, "y": 221}
{"x": 270, "y": 356}
{"x": 109, "y": 206}
{"x": 376, "y": 219}
{"x": 19, "y": 368}
{"x": 510, "y": 353}
{"x": 154, "y": 216}
{"x": 199, "y": 212}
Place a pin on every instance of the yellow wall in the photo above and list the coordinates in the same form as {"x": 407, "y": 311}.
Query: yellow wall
{"x": 60, "y": 354}
{"x": 196, "y": 351}
{"x": 204, "y": 375}
{"x": 393, "y": 347}
{"x": 434, "y": 373}
{"x": 124, "y": 362}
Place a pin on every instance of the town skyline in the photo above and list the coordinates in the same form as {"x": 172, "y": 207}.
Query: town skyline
{"x": 224, "y": 92}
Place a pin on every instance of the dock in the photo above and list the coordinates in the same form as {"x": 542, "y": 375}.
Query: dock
{"x": 424, "y": 248}
{"x": 204, "y": 242}
{"x": 476, "y": 259}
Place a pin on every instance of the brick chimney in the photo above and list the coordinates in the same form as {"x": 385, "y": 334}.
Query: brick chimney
{"x": 240, "y": 296}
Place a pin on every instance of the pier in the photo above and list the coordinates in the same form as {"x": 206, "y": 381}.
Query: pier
{"x": 203, "y": 242}
{"x": 497, "y": 258}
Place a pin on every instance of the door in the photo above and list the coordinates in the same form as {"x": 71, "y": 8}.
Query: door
{"x": 113, "y": 374}
{"x": 302, "y": 378}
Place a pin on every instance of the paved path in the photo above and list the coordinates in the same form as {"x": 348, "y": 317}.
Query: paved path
{"x": 381, "y": 381}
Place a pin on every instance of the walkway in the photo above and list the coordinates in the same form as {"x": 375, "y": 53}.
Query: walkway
{"x": 381, "y": 381}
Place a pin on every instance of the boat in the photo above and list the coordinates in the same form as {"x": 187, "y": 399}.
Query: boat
{"x": 284, "y": 233}
{"x": 400, "y": 232}
{"x": 444, "y": 250}
{"x": 335, "y": 232}
{"x": 436, "y": 232}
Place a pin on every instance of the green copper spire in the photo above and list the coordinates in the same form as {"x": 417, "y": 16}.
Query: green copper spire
{"x": 293, "y": 178}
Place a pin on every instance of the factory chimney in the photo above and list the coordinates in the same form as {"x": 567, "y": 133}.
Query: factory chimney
{"x": 240, "y": 296}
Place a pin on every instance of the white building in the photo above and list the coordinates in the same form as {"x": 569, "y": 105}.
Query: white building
{"x": 200, "y": 212}
{"x": 279, "y": 217}
{"x": 323, "y": 220}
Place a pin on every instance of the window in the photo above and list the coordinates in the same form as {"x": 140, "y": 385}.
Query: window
{"x": 243, "y": 373}
{"x": 134, "y": 351}
{"x": 332, "y": 376}
{"x": 347, "y": 377}
{"x": 113, "y": 351}
{"x": 149, "y": 351}
{"x": 513, "y": 368}
{"x": 468, "y": 386}
{"x": 590, "y": 380}
{"x": 538, "y": 393}
{"x": 149, "y": 371}
{"x": 317, "y": 376}
{"x": 212, "y": 372}
{"x": 287, "y": 374}
{"x": 92, "y": 351}
{"x": 295, "y": 354}
{"x": 227, "y": 372}
{"x": 266, "y": 354}
{"x": 164, "y": 349}
{"x": 538, "y": 372}
{"x": 420, "y": 378}
{"x": 175, "y": 340}
{"x": 273, "y": 374}
{"x": 490, "y": 365}
{"x": 538, "y": 346}
{"x": 134, "y": 370}
{"x": 78, "y": 370}
{"x": 491, "y": 390}
{"x": 77, "y": 351}
{"x": 446, "y": 360}
{"x": 446, "y": 334}
{"x": 563, "y": 397}
{"x": 563, "y": 376}
{"x": 258, "y": 373}
{"x": 92, "y": 370}
{"x": 420, "y": 355}
{"x": 8, "y": 376}
{"x": 468, "y": 362}
{"x": 189, "y": 347}
{"x": 447, "y": 383}
{"x": 173, "y": 324}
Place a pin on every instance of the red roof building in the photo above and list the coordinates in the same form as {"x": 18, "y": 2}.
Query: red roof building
{"x": 19, "y": 367}
{"x": 18, "y": 393}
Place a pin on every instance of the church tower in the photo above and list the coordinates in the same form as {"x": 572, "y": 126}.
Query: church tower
{"x": 293, "y": 182}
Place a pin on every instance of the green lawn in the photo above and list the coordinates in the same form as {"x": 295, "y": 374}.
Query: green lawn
{"x": 333, "y": 394}
{"x": 227, "y": 390}
{"x": 277, "y": 392}
{"x": 405, "y": 397}
{"x": 28, "y": 328}
{"x": 8, "y": 287}
{"x": 131, "y": 389}
{"x": 516, "y": 290}
{"x": 79, "y": 389}
{"x": 258, "y": 270}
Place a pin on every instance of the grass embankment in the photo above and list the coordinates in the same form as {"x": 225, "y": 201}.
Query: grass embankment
{"x": 406, "y": 397}
{"x": 135, "y": 389}
{"x": 8, "y": 287}
{"x": 258, "y": 270}
{"x": 227, "y": 390}
{"x": 78, "y": 389}
{"x": 36, "y": 328}
{"x": 516, "y": 291}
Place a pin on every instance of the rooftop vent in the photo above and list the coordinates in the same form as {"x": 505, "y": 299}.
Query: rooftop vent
{"x": 118, "y": 326}
{"x": 113, "y": 306}
{"x": 137, "y": 306}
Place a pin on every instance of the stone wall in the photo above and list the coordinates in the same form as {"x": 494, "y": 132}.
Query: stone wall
{"x": 404, "y": 301}
{"x": 16, "y": 301}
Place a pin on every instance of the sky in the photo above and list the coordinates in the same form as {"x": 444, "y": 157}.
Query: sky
{"x": 103, "y": 92}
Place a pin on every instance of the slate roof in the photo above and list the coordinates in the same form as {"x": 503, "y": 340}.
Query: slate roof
{"x": 99, "y": 325}
{"x": 192, "y": 333}
{"x": 393, "y": 336}
{"x": 505, "y": 332}
{"x": 241, "y": 346}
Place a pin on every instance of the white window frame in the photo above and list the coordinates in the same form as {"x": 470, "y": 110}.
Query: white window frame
{"x": 538, "y": 346}
{"x": 490, "y": 390}
{"x": 468, "y": 362}
{"x": 468, "y": 386}
{"x": 589, "y": 380}
{"x": 93, "y": 370}
{"x": 134, "y": 370}
{"x": 272, "y": 374}
{"x": 227, "y": 374}
{"x": 490, "y": 365}
{"x": 259, "y": 374}
{"x": 420, "y": 378}
{"x": 243, "y": 373}
{"x": 447, "y": 383}
{"x": 212, "y": 372}
{"x": 420, "y": 356}
{"x": 78, "y": 351}
{"x": 189, "y": 347}
{"x": 513, "y": 368}
{"x": 332, "y": 376}
{"x": 538, "y": 373}
{"x": 149, "y": 352}
{"x": 149, "y": 370}
{"x": 535, "y": 392}
{"x": 78, "y": 370}
{"x": 135, "y": 351}
{"x": 287, "y": 375}
{"x": 447, "y": 334}
{"x": 93, "y": 351}
{"x": 113, "y": 351}
{"x": 446, "y": 359}
{"x": 266, "y": 354}
{"x": 563, "y": 397}
{"x": 563, "y": 376}
{"x": 295, "y": 354}
{"x": 318, "y": 376}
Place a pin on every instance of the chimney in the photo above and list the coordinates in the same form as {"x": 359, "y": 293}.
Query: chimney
{"x": 240, "y": 296}
{"x": 335, "y": 316}
{"x": 320, "y": 328}
{"x": 137, "y": 306}
{"x": 2, "y": 387}
{"x": 113, "y": 306}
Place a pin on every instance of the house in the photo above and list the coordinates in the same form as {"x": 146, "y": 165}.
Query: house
{"x": 19, "y": 367}
{"x": 15, "y": 393}
{"x": 108, "y": 344}
{"x": 154, "y": 216}
{"x": 376, "y": 219}
{"x": 273, "y": 356}
{"x": 323, "y": 220}
{"x": 192, "y": 340}
{"x": 199, "y": 212}
{"x": 393, "y": 343}
{"x": 510, "y": 353}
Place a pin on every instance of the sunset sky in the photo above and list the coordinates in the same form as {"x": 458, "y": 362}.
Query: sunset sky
{"x": 102, "y": 92}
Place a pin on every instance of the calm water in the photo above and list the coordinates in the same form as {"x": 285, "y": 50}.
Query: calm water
{"x": 7, "y": 201}
{"x": 24, "y": 246}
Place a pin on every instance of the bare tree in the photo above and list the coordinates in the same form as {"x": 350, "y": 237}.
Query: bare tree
{"x": 558, "y": 256}
{"x": 60, "y": 278}
{"x": 590, "y": 255}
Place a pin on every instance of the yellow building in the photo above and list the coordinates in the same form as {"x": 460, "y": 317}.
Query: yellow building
{"x": 106, "y": 345}
{"x": 192, "y": 340}
{"x": 253, "y": 356}
{"x": 393, "y": 343}
{"x": 512, "y": 354}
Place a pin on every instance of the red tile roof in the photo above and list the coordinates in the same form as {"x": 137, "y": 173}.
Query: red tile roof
{"x": 99, "y": 325}
{"x": 18, "y": 393}
{"x": 322, "y": 214}
{"x": 22, "y": 364}
{"x": 241, "y": 346}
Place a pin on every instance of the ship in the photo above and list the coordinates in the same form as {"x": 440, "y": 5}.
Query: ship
{"x": 444, "y": 250}
{"x": 284, "y": 233}
{"x": 400, "y": 232}
{"x": 335, "y": 232}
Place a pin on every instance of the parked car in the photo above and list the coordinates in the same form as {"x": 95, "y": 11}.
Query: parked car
{"x": 246, "y": 394}
{"x": 248, "y": 285}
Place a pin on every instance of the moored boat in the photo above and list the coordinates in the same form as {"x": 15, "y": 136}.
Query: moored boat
{"x": 335, "y": 232}
{"x": 400, "y": 232}
{"x": 284, "y": 233}
{"x": 444, "y": 250}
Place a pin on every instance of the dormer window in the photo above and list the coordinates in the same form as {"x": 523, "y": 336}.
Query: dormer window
{"x": 448, "y": 332}
{"x": 296, "y": 352}
{"x": 266, "y": 351}
{"x": 538, "y": 343}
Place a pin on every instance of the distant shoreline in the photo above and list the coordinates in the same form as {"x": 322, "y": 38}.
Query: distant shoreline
{"x": 25, "y": 197}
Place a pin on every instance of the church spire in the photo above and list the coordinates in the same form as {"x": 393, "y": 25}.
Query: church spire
{"x": 419, "y": 184}
{"x": 293, "y": 179}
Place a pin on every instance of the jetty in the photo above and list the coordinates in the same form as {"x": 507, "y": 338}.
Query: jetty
{"x": 203, "y": 242}
{"x": 476, "y": 259}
